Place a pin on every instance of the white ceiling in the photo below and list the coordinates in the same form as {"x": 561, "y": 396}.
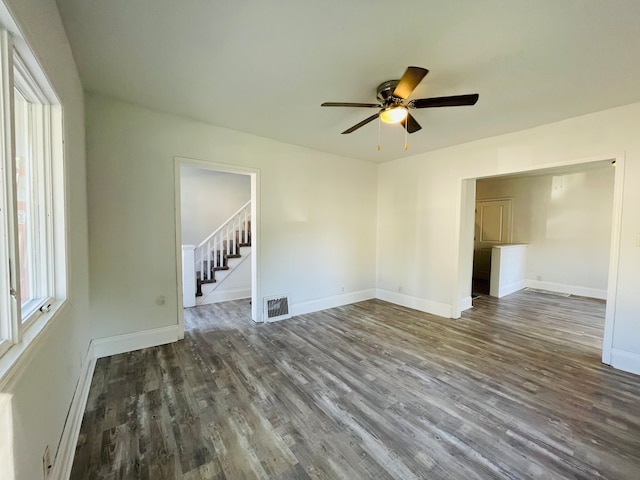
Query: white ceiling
{"x": 264, "y": 67}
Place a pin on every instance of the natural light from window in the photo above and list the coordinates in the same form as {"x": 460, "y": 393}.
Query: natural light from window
{"x": 24, "y": 191}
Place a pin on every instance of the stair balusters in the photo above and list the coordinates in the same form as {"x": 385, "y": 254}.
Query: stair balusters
{"x": 224, "y": 242}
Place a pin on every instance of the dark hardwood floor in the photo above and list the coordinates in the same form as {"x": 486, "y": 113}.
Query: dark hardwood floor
{"x": 514, "y": 389}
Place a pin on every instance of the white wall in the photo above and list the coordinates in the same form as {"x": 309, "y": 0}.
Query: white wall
{"x": 317, "y": 214}
{"x": 419, "y": 202}
{"x": 566, "y": 221}
{"x": 508, "y": 265}
{"x": 208, "y": 199}
{"x": 41, "y": 392}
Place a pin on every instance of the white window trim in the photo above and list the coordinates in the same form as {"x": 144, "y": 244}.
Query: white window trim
{"x": 41, "y": 128}
{"x": 25, "y": 339}
{"x": 9, "y": 278}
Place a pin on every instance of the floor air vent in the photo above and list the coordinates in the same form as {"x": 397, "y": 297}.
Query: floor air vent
{"x": 276, "y": 308}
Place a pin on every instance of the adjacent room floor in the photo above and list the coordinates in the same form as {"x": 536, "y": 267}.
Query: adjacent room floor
{"x": 513, "y": 389}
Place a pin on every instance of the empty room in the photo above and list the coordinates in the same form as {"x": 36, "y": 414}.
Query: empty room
{"x": 319, "y": 240}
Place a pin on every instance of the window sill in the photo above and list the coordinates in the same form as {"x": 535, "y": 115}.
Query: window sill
{"x": 19, "y": 356}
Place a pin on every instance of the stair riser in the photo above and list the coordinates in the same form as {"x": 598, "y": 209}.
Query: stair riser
{"x": 229, "y": 262}
{"x": 225, "y": 256}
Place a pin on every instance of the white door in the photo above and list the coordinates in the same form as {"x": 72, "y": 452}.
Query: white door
{"x": 493, "y": 227}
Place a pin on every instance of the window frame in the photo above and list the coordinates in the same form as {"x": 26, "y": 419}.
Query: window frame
{"x": 41, "y": 137}
{"x": 10, "y": 307}
{"x": 21, "y": 71}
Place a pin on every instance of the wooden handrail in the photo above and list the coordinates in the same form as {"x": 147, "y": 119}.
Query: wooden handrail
{"x": 224, "y": 224}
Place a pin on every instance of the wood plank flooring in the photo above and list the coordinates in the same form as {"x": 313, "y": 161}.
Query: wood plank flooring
{"x": 514, "y": 389}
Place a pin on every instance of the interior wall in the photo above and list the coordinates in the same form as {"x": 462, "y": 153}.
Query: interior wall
{"x": 419, "y": 208}
{"x": 208, "y": 199}
{"x": 41, "y": 392}
{"x": 565, "y": 219}
{"x": 317, "y": 214}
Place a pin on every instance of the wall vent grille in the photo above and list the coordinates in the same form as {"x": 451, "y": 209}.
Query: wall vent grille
{"x": 276, "y": 308}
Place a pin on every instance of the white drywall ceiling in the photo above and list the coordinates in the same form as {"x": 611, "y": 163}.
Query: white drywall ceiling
{"x": 265, "y": 67}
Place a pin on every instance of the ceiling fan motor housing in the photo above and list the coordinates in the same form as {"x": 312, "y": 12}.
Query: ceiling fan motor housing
{"x": 384, "y": 92}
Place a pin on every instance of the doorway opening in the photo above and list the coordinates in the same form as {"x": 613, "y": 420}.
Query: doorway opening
{"x": 562, "y": 217}
{"x": 493, "y": 226}
{"x": 217, "y": 234}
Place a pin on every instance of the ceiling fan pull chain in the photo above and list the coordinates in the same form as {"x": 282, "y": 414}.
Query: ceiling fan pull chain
{"x": 378, "y": 132}
{"x": 406, "y": 127}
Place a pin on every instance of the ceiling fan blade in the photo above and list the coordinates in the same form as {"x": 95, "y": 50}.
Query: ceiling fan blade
{"x": 413, "y": 125}
{"x": 454, "y": 101}
{"x": 409, "y": 81}
{"x": 350, "y": 104}
{"x": 361, "y": 124}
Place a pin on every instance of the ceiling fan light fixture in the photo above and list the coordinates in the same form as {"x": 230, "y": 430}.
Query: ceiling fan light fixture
{"x": 395, "y": 114}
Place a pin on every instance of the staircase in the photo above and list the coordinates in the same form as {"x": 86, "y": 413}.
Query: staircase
{"x": 223, "y": 251}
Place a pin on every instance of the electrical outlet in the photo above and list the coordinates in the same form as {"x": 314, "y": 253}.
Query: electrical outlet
{"x": 342, "y": 289}
{"x": 46, "y": 462}
{"x": 399, "y": 288}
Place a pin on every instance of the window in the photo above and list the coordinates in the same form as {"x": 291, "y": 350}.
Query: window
{"x": 32, "y": 256}
{"x": 32, "y": 161}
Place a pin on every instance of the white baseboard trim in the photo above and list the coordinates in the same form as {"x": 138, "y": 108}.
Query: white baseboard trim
{"x": 427, "y": 306}
{"x": 67, "y": 448}
{"x": 98, "y": 348}
{"x": 570, "y": 289}
{"x": 504, "y": 290}
{"x": 311, "y": 306}
{"x": 465, "y": 303}
{"x": 128, "y": 342}
{"x": 626, "y": 361}
{"x": 224, "y": 296}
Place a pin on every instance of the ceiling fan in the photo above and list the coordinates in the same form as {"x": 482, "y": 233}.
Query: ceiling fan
{"x": 394, "y": 108}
